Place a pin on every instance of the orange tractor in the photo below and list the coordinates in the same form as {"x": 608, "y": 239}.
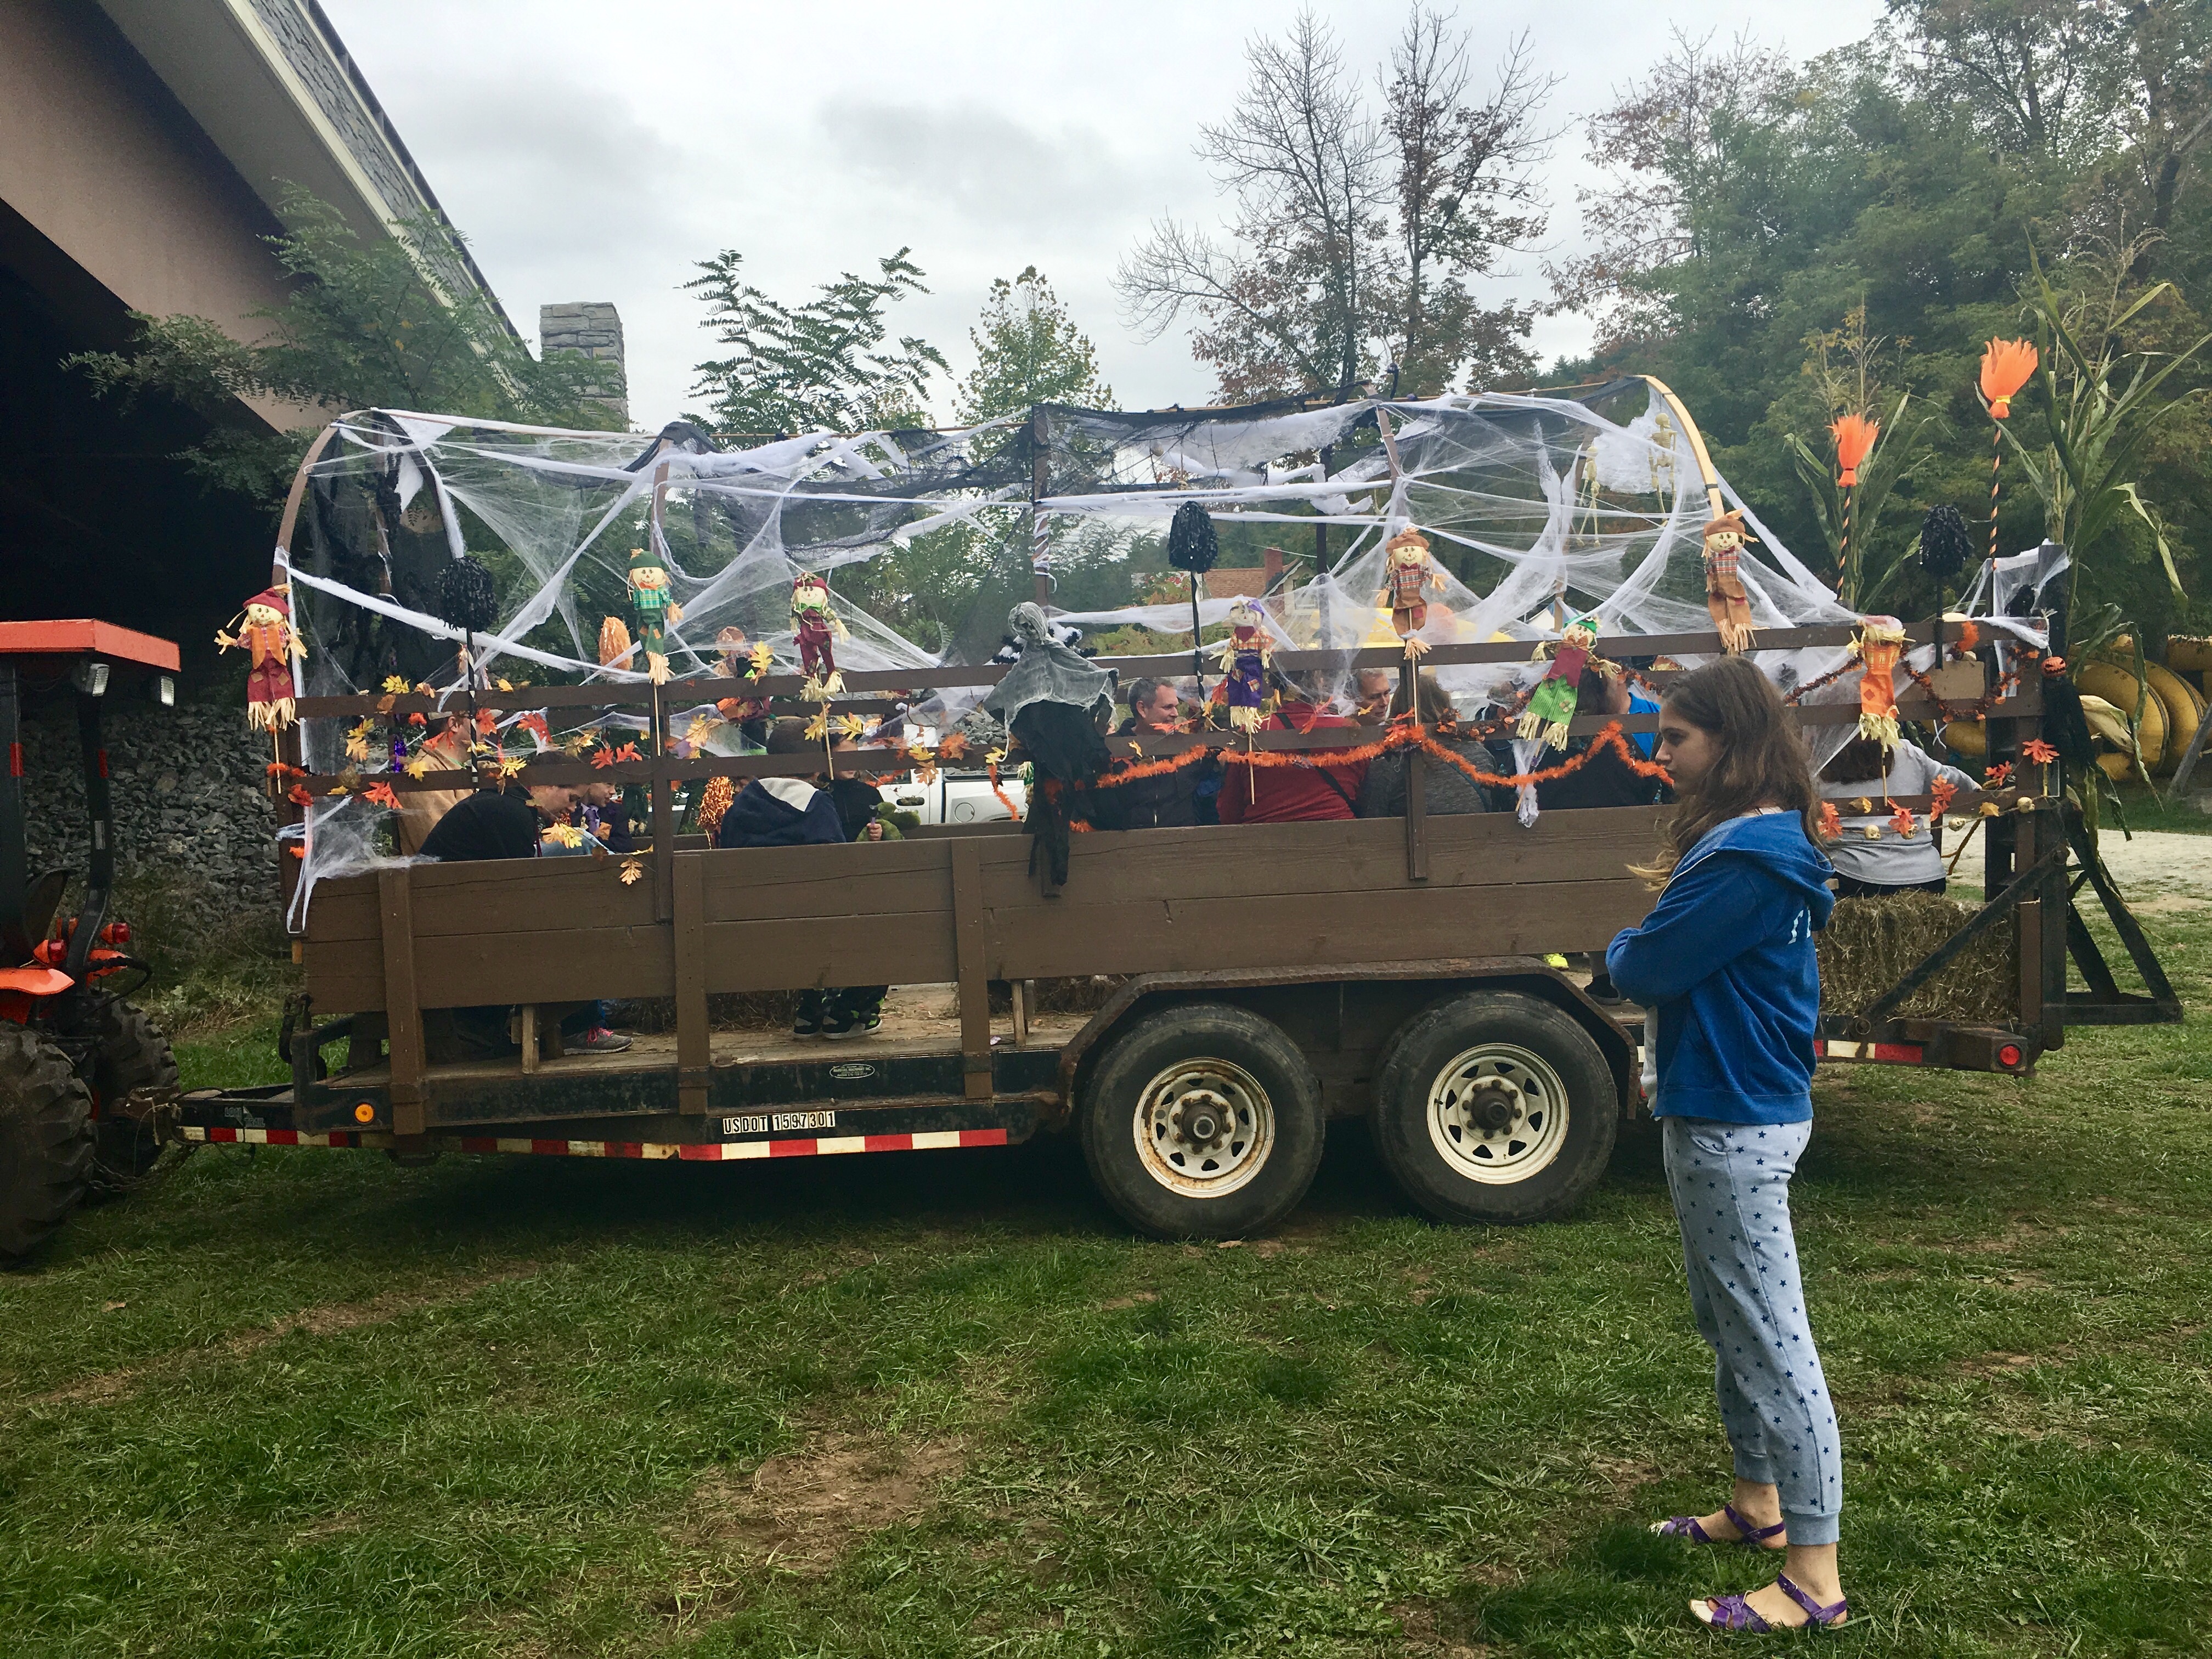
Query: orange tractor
{"x": 81, "y": 1071}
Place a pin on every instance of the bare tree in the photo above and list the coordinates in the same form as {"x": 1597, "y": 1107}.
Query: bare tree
{"x": 1290, "y": 305}
{"x": 1466, "y": 192}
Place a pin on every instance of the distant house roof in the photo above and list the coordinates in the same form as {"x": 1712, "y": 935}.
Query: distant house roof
{"x": 1245, "y": 584}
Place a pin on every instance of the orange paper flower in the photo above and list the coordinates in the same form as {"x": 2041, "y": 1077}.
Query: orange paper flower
{"x": 1941, "y": 795}
{"x": 382, "y": 794}
{"x": 1854, "y": 435}
{"x": 2038, "y": 751}
{"x": 1832, "y": 822}
{"x": 1903, "y": 822}
{"x": 2005, "y": 365}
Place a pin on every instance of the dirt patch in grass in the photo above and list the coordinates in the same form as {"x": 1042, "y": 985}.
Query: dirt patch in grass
{"x": 1417, "y": 1622}
{"x": 802, "y": 1509}
{"x": 332, "y": 1319}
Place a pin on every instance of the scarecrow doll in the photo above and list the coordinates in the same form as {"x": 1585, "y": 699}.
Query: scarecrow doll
{"x": 654, "y": 602}
{"x": 1879, "y": 644}
{"x": 738, "y": 662}
{"x": 1551, "y": 704}
{"x": 814, "y": 625}
{"x": 1244, "y": 657}
{"x": 264, "y": 631}
{"x": 1726, "y": 602}
{"x": 1408, "y": 574}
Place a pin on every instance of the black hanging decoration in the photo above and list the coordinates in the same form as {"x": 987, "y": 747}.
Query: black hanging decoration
{"x": 1945, "y": 544}
{"x": 2065, "y": 728}
{"x": 466, "y": 598}
{"x": 1192, "y": 545}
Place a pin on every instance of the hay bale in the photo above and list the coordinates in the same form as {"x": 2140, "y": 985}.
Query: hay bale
{"x": 1870, "y": 944}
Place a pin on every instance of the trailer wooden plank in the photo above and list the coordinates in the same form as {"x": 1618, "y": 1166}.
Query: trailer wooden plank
{"x": 402, "y": 1002}
{"x": 1167, "y": 936}
{"x": 688, "y": 931}
{"x": 971, "y": 935}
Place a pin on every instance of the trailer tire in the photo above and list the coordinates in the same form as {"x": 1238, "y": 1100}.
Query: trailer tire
{"x": 1202, "y": 1120}
{"x": 1495, "y": 1106}
{"x": 45, "y": 1140}
{"x": 133, "y": 1058}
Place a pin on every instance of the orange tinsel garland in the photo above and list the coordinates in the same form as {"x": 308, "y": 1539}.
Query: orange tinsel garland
{"x": 1399, "y": 736}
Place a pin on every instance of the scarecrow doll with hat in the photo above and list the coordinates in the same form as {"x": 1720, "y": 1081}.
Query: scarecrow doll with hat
{"x": 654, "y": 601}
{"x": 814, "y": 625}
{"x": 1407, "y": 574}
{"x": 264, "y": 631}
{"x": 1726, "y": 602}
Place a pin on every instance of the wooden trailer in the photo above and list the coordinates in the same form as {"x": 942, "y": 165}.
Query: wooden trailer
{"x": 1278, "y": 975}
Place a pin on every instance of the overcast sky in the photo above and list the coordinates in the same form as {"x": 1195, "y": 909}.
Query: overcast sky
{"x": 593, "y": 149}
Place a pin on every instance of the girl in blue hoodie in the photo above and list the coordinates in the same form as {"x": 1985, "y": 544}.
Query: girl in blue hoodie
{"x": 1725, "y": 963}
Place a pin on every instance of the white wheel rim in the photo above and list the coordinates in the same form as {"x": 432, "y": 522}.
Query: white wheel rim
{"x": 1204, "y": 1127}
{"x": 1498, "y": 1114}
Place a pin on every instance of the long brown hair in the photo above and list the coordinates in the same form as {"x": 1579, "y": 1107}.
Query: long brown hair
{"x": 1762, "y": 759}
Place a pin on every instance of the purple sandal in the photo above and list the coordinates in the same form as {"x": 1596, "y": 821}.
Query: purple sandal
{"x": 1733, "y": 1613}
{"x": 1685, "y": 1525}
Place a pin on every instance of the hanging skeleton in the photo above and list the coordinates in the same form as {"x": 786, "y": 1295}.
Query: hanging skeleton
{"x": 1726, "y": 602}
{"x": 266, "y": 633}
{"x": 654, "y": 603}
{"x": 1245, "y": 655}
{"x": 1407, "y": 575}
{"x": 1551, "y": 704}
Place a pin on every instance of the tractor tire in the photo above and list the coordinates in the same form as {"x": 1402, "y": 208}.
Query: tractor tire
{"x": 133, "y": 1056}
{"x": 1495, "y": 1106}
{"x": 45, "y": 1140}
{"x": 1202, "y": 1121}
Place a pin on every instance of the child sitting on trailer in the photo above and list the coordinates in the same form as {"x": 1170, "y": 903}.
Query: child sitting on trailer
{"x": 794, "y": 812}
{"x": 1871, "y": 858}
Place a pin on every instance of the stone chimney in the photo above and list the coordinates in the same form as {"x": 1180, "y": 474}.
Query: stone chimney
{"x": 594, "y": 328}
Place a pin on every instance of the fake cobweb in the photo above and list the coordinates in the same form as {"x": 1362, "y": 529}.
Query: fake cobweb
{"x": 1538, "y": 509}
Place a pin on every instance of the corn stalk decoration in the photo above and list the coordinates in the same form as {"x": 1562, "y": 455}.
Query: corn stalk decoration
{"x": 1847, "y": 516}
{"x": 2101, "y": 414}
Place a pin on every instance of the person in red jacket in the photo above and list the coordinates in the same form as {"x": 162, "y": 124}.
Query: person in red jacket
{"x": 1299, "y": 793}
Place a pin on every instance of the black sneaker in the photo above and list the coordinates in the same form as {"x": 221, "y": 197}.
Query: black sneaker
{"x": 840, "y": 1023}
{"x": 868, "y": 1023}
{"x": 806, "y": 1025}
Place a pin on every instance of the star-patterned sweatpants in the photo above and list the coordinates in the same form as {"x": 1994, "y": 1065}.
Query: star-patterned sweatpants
{"x": 1730, "y": 1182}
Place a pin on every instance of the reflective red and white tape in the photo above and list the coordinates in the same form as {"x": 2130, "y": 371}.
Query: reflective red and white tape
{"x": 1894, "y": 1053}
{"x": 694, "y": 1151}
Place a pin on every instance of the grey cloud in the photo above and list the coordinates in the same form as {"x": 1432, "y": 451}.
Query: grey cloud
{"x": 975, "y": 163}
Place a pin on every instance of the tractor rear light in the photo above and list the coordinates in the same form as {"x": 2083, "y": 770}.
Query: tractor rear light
{"x": 2008, "y": 1056}
{"x": 116, "y": 933}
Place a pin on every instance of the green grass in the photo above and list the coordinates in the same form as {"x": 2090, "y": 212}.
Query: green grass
{"x": 2164, "y": 813}
{"x": 296, "y": 1402}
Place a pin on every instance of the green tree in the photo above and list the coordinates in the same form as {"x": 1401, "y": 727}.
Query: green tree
{"x": 360, "y": 329}
{"x": 827, "y": 365}
{"x": 1028, "y": 351}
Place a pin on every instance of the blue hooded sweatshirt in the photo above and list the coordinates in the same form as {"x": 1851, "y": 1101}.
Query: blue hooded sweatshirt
{"x": 1726, "y": 957}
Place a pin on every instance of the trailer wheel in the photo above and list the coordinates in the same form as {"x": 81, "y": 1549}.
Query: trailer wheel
{"x": 45, "y": 1140}
{"x": 1495, "y": 1106}
{"x": 133, "y": 1059}
{"x": 1202, "y": 1121}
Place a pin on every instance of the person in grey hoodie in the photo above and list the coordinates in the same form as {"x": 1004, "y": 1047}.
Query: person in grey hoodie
{"x": 1725, "y": 961}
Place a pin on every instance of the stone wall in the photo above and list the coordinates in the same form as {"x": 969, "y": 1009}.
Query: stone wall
{"x": 186, "y": 786}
